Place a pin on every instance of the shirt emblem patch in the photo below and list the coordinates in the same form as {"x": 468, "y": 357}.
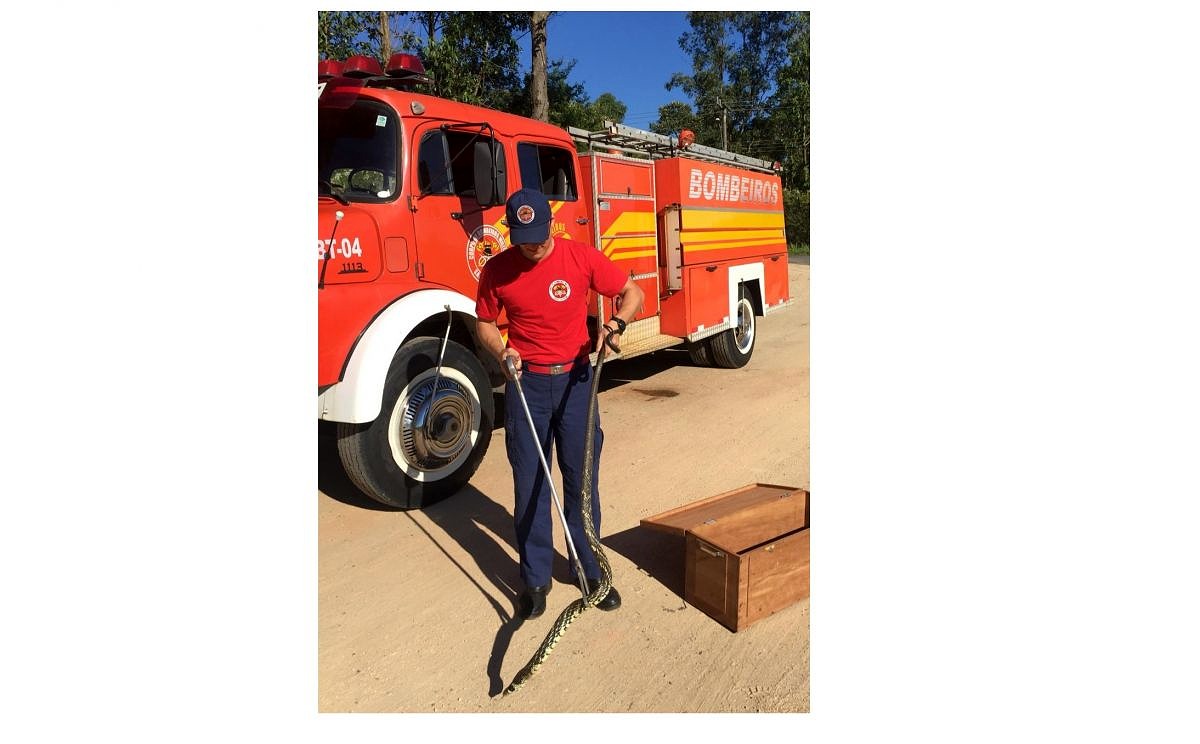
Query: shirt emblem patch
{"x": 559, "y": 290}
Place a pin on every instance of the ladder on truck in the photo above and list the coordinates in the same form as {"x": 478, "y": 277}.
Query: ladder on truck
{"x": 653, "y": 145}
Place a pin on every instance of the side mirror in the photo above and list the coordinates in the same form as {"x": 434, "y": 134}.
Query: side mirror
{"x": 490, "y": 186}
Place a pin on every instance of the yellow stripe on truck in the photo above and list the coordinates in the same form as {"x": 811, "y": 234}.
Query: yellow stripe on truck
{"x": 730, "y": 219}
{"x": 633, "y": 254}
{"x": 617, "y": 246}
{"x": 723, "y": 229}
{"x": 725, "y": 245}
{"x": 739, "y": 235}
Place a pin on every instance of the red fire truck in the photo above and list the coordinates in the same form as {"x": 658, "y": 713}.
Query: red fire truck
{"x": 410, "y": 207}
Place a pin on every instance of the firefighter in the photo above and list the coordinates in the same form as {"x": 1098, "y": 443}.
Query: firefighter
{"x": 543, "y": 285}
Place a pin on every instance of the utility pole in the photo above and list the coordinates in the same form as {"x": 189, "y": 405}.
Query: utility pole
{"x": 724, "y": 124}
{"x": 724, "y": 127}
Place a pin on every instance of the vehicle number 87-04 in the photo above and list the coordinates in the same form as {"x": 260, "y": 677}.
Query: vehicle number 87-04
{"x": 346, "y": 249}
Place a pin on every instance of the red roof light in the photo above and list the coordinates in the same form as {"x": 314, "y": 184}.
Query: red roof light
{"x": 405, "y": 64}
{"x": 362, "y": 66}
{"x": 328, "y": 68}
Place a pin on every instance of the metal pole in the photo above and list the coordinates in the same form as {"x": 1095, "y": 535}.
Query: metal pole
{"x": 724, "y": 133}
{"x": 442, "y": 355}
{"x": 512, "y": 372}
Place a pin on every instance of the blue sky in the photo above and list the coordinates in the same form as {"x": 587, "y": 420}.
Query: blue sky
{"x": 629, "y": 54}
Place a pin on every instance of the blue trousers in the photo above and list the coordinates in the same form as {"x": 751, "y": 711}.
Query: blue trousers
{"x": 559, "y": 406}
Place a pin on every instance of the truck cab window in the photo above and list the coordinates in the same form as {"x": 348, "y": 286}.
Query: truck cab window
{"x": 549, "y": 169}
{"x": 433, "y": 166}
{"x": 357, "y": 152}
{"x": 446, "y": 162}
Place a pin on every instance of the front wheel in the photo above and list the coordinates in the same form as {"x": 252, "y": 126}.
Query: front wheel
{"x": 431, "y": 433}
{"x": 732, "y": 348}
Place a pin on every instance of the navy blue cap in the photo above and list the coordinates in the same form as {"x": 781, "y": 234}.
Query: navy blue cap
{"x": 528, "y": 216}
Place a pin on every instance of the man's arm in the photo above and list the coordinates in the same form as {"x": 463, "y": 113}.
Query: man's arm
{"x": 629, "y": 304}
{"x": 489, "y": 336}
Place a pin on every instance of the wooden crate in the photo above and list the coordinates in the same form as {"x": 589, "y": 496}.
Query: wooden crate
{"x": 745, "y": 551}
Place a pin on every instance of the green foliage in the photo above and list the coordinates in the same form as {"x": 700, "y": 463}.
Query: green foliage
{"x": 750, "y": 73}
{"x": 788, "y": 126}
{"x": 674, "y": 117}
{"x": 710, "y": 46}
{"x": 568, "y": 101}
{"x": 795, "y": 216}
{"x": 607, "y": 106}
{"x": 341, "y": 34}
{"x": 569, "y": 104}
{"x": 472, "y": 57}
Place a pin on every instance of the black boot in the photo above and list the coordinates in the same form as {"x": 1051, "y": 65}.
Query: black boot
{"x": 533, "y": 601}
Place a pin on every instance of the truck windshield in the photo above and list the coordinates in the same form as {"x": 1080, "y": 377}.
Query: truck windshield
{"x": 357, "y": 152}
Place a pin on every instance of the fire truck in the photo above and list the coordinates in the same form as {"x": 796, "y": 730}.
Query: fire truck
{"x": 410, "y": 206}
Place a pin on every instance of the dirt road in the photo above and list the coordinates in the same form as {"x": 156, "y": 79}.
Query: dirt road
{"x": 416, "y": 609}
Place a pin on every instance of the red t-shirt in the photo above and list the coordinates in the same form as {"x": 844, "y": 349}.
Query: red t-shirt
{"x": 546, "y": 301}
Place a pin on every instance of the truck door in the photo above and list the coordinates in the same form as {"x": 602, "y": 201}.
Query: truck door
{"x": 627, "y": 227}
{"x": 550, "y": 168}
{"x": 454, "y": 236}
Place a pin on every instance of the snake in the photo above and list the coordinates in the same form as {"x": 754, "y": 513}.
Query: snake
{"x": 586, "y": 497}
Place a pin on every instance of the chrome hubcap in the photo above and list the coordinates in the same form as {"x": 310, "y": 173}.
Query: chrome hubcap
{"x": 431, "y": 433}
{"x": 743, "y": 335}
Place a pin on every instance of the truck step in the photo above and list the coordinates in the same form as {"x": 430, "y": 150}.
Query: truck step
{"x": 645, "y": 345}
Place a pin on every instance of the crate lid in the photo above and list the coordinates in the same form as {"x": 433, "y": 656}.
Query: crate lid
{"x": 722, "y": 507}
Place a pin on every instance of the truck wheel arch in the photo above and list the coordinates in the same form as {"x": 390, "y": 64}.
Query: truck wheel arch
{"x": 357, "y": 398}
{"x": 753, "y": 275}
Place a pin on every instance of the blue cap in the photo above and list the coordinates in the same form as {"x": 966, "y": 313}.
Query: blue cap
{"x": 528, "y": 216}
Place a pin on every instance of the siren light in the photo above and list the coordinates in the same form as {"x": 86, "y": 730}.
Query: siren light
{"x": 686, "y": 138}
{"x": 328, "y": 68}
{"x": 362, "y": 66}
{"x": 402, "y": 65}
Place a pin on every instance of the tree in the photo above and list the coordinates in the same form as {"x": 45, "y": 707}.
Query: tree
{"x": 343, "y": 33}
{"x": 736, "y": 59}
{"x": 789, "y": 122}
{"x": 385, "y": 36}
{"x": 750, "y": 83}
{"x": 537, "y": 34}
{"x": 674, "y": 117}
{"x": 471, "y": 56}
{"x": 709, "y": 44}
{"x": 607, "y": 107}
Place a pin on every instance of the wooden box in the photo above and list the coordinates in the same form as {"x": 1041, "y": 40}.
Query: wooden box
{"x": 745, "y": 551}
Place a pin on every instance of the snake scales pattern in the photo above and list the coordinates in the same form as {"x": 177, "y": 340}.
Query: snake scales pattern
{"x": 576, "y": 608}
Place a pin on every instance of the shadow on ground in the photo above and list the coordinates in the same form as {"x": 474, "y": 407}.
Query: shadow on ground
{"x": 658, "y": 554}
{"x": 619, "y": 372}
{"x": 477, "y": 523}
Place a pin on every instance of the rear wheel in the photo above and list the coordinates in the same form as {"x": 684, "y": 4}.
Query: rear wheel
{"x": 700, "y": 352}
{"x": 732, "y": 348}
{"x": 431, "y": 433}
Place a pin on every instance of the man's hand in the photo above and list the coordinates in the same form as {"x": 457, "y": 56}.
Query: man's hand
{"x": 489, "y": 336}
{"x": 628, "y": 303}
{"x": 510, "y": 353}
{"x": 612, "y": 334}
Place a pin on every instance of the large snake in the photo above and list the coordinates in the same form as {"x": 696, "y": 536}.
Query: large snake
{"x": 576, "y": 608}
